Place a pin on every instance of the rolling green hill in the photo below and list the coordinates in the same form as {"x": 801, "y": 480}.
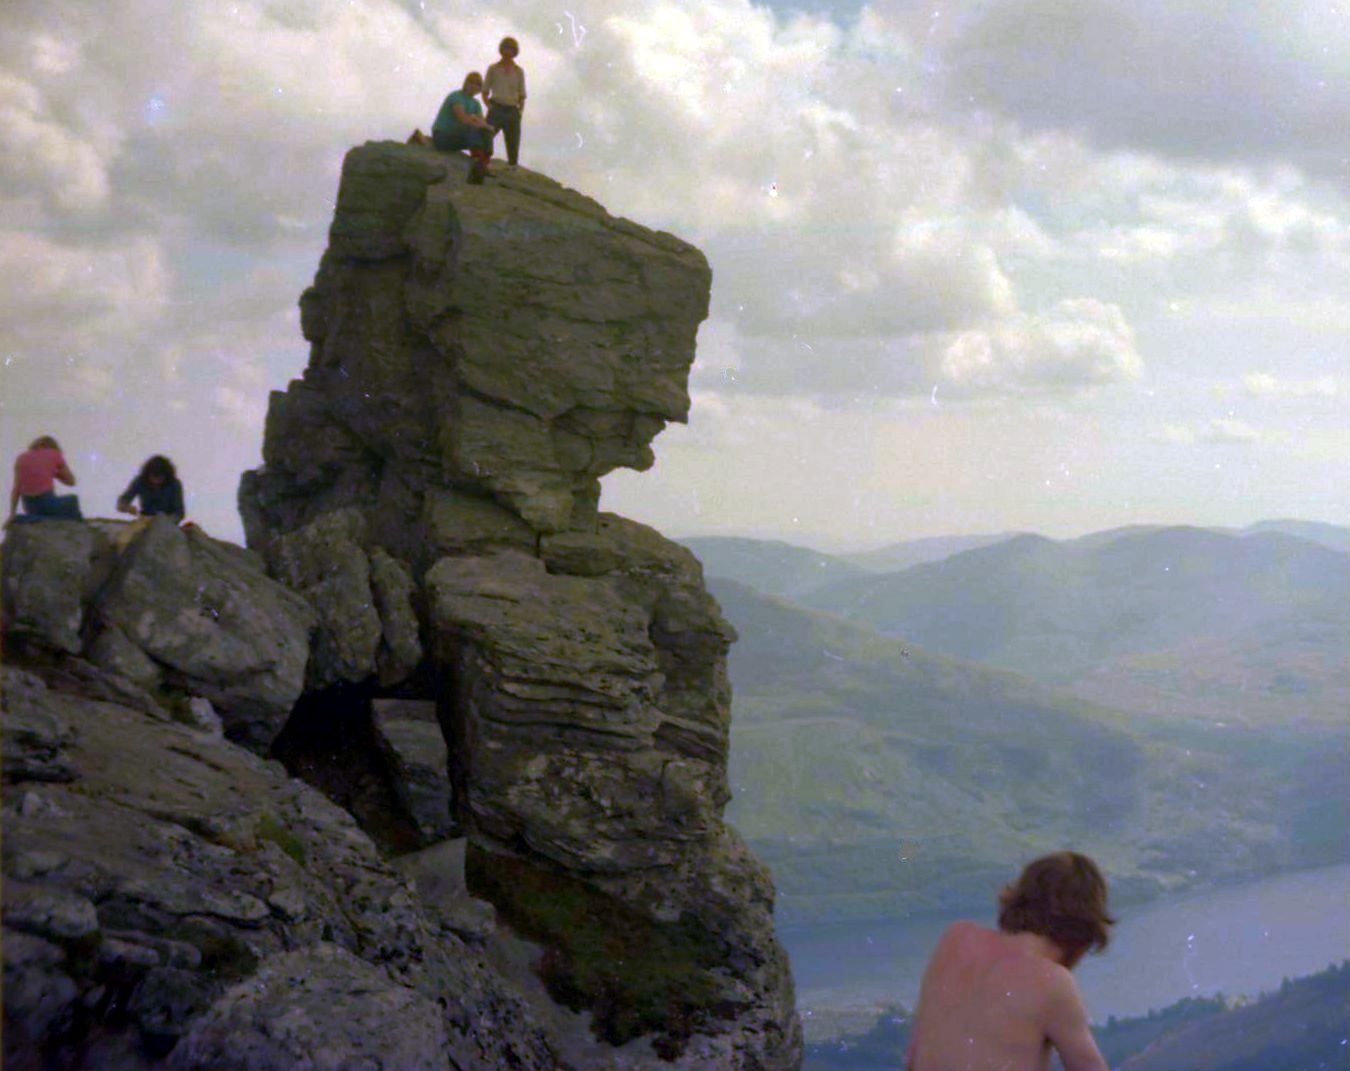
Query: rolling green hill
{"x": 876, "y": 778}
{"x": 1182, "y": 621}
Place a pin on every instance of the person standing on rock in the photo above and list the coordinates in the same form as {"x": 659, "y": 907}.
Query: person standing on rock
{"x": 504, "y": 91}
{"x": 159, "y": 489}
{"x": 1001, "y": 999}
{"x": 460, "y": 125}
{"x": 36, "y": 471}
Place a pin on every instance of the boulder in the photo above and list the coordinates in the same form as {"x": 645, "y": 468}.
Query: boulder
{"x": 325, "y": 562}
{"x": 411, "y": 737}
{"x": 363, "y": 600}
{"x": 215, "y": 625}
{"x": 51, "y": 570}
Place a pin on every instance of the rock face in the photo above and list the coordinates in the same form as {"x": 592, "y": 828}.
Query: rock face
{"x": 439, "y": 634}
{"x": 480, "y": 357}
{"x": 164, "y": 887}
{"x": 165, "y": 609}
{"x": 508, "y": 344}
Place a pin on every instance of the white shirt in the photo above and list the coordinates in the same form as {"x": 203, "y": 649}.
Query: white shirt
{"x": 505, "y": 85}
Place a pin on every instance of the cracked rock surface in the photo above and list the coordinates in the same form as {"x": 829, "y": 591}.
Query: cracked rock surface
{"x": 424, "y": 536}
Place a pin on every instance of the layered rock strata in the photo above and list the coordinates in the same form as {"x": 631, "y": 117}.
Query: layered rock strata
{"x": 480, "y": 357}
{"x": 437, "y": 629}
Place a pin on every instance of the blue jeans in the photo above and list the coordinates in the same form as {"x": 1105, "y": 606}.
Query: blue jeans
{"x": 51, "y": 505}
{"x": 463, "y": 137}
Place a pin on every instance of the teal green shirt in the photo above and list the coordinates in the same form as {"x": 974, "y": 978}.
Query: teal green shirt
{"x": 445, "y": 118}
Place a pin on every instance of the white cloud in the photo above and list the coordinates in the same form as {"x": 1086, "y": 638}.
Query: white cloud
{"x": 43, "y": 158}
{"x": 1263, "y": 384}
{"x": 1219, "y": 431}
{"x": 1079, "y": 343}
{"x": 167, "y": 175}
{"x": 74, "y": 299}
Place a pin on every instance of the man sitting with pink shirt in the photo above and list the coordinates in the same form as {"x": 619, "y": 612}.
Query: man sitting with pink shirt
{"x": 36, "y": 471}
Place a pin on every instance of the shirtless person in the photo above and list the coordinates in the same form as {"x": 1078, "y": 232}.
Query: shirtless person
{"x": 1000, "y": 1000}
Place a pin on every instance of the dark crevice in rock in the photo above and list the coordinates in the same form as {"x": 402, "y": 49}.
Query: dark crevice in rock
{"x": 330, "y": 743}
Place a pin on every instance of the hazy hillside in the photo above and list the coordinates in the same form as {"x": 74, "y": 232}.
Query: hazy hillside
{"x": 911, "y": 552}
{"x": 1300, "y": 1028}
{"x": 876, "y": 778}
{"x": 768, "y": 565}
{"x": 1303, "y": 1027}
{"x": 1328, "y": 535}
{"x": 1175, "y": 620}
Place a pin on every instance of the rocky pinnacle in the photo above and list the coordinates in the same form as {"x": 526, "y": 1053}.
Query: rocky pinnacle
{"x": 480, "y": 357}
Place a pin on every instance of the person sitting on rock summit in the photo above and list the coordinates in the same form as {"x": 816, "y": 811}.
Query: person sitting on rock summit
{"x": 159, "y": 489}
{"x": 36, "y": 471}
{"x": 1000, "y": 999}
{"x": 460, "y": 125}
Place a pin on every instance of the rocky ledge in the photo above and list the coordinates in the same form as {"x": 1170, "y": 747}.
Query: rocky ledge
{"x": 431, "y": 775}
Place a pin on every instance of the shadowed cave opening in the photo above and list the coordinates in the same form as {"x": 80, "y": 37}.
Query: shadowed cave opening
{"x": 332, "y": 743}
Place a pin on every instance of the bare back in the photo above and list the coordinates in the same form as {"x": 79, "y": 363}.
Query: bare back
{"x": 990, "y": 1002}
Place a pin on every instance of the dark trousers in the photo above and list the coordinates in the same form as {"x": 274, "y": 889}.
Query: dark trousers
{"x": 506, "y": 118}
{"x": 473, "y": 138}
{"x": 50, "y": 504}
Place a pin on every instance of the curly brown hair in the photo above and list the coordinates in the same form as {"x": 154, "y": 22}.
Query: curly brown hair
{"x": 1062, "y": 897}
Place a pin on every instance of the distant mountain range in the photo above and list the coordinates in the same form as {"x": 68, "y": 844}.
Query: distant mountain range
{"x": 877, "y": 778}
{"x": 770, "y": 566}
{"x": 1233, "y": 625}
{"x": 1162, "y": 619}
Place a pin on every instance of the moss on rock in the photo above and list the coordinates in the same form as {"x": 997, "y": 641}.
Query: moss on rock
{"x": 637, "y": 975}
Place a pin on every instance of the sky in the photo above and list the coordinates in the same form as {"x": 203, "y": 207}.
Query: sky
{"x": 1049, "y": 265}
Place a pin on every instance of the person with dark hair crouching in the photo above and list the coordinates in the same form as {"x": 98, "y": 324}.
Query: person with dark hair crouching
{"x": 460, "y": 125}
{"x": 36, "y": 471}
{"x": 158, "y": 488}
{"x": 1001, "y": 999}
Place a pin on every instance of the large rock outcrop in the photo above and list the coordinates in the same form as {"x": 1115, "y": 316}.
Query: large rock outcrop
{"x": 480, "y": 357}
{"x": 432, "y": 775}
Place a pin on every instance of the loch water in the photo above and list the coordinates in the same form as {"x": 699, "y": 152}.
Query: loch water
{"x": 1238, "y": 940}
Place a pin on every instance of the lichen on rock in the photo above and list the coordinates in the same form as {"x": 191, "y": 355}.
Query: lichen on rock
{"x": 480, "y": 357}
{"x": 436, "y": 627}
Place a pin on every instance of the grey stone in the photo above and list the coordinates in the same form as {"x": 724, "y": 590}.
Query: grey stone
{"x": 202, "y": 715}
{"x": 48, "y": 573}
{"x": 219, "y": 628}
{"x": 212, "y": 860}
{"x": 113, "y": 652}
{"x": 40, "y": 998}
{"x": 34, "y": 740}
{"x": 324, "y": 561}
{"x": 414, "y": 361}
{"x": 48, "y": 912}
{"x": 320, "y": 1008}
{"x": 391, "y": 585}
{"x": 412, "y": 739}
{"x": 462, "y": 524}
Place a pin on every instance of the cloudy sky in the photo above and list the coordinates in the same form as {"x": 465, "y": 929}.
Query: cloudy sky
{"x": 998, "y": 264}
